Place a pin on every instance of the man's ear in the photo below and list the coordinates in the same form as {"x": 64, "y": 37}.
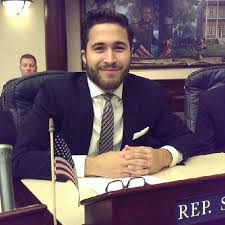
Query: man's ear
{"x": 83, "y": 57}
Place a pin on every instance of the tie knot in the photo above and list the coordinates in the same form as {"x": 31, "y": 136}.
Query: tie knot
{"x": 107, "y": 96}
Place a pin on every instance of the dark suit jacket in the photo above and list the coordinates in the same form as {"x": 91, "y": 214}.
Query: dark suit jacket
{"x": 68, "y": 101}
{"x": 210, "y": 123}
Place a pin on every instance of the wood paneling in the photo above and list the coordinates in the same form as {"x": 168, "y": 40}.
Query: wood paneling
{"x": 55, "y": 35}
{"x": 174, "y": 90}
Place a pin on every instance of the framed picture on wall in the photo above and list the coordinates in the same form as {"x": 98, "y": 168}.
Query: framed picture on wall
{"x": 171, "y": 33}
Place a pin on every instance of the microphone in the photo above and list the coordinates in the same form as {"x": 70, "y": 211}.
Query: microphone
{"x": 7, "y": 140}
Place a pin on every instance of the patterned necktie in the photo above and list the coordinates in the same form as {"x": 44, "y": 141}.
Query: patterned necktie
{"x": 107, "y": 125}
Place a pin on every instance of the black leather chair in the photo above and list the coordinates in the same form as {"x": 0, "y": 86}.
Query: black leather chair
{"x": 18, "y": 94}
{"x": 196, "y": 83}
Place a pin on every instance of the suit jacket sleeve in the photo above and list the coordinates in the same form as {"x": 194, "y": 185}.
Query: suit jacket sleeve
{"x": 205, "y": 129}
{"x": 169, "y": 129}
{"x": 31, "y": 155}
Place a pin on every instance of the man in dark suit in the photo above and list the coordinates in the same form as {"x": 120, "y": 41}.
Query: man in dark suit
{"x": 77, "y": 103}
{"x": 210, "y": 123}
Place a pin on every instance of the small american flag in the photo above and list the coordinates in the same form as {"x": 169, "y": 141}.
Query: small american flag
{"x": 64, "y": 165}
{"x": 140, "y": 51}
{"x": 166, "y": 52}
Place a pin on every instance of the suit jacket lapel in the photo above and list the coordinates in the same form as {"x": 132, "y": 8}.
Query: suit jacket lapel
{"x": 130, "y": 106}
{"x": 83, "y": 114}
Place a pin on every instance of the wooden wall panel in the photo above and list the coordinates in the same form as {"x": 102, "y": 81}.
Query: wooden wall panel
{"x": 55, "y": 35}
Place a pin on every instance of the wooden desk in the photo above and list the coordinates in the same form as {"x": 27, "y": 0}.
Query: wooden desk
{"x": 174, "y": 91}
{"x": 172, "y": 80}
{"x": 198, "y": 166}
{"x": 68, "y": 211}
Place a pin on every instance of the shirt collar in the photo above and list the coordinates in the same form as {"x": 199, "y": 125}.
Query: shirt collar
{"x": 96, "y": 90}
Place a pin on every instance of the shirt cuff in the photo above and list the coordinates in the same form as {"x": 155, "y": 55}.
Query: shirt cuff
{"x": 79, "y": 162}
{"x": 176, "y": 155}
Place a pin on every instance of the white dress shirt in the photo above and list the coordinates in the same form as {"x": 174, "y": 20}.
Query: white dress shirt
{"x": 98, "y": 102}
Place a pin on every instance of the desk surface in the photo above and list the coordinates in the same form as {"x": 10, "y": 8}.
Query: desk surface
{"x": 68, "y": 212}
{"x": 197, "y": 166}
{"x": 164, "y": 74}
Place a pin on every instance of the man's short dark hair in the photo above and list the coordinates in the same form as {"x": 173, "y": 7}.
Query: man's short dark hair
{"x": 28, "y": 56}
{"x": 104, "y": 15}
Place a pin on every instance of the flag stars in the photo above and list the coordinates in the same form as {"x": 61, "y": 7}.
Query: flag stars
{"x": 64, "y": 165}
{"x": 62, "y": 150}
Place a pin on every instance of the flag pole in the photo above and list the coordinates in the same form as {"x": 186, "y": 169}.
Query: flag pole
{"x": 51, "y": 131}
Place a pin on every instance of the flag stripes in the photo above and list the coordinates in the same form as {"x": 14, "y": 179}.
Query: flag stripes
{"x": 64, "y": 169}
{"x": 64, "y": 165}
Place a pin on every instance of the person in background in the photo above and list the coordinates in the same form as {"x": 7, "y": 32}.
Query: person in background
{"x": 28, "y": 64}
{"x": 105, "y": 115}
{"x": 144, "y": 31}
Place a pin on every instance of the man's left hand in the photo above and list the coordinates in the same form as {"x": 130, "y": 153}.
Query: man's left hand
{"x": 146, "y": 160}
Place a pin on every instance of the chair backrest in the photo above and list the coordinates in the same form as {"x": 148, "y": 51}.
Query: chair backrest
{"x": 196, "y": 83}
{"x": 18, "y": 95}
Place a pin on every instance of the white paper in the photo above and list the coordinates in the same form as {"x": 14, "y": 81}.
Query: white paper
{"x": 98, "y": 184}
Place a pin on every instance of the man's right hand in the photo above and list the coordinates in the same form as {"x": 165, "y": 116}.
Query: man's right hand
{"x": 111, "y": 164}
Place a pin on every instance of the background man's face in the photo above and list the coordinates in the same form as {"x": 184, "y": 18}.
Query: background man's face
{"x": 27, "y": 66}
{"x": 147, "y": 14}
{"x": 107, "y": 56}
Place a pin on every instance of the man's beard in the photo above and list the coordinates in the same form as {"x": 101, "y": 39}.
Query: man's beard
{"x": 106, "y": 84}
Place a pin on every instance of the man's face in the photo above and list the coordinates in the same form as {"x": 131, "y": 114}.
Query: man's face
{"x": 27, "y": 66}
{"x": 107, "y": 56}
{"x": 147, "y": 14}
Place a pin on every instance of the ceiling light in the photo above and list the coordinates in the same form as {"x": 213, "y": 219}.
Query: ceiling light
{"x": 16, "y": 7}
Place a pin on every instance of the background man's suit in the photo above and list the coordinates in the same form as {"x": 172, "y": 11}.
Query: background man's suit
{"x": 68, "y": 101}
{"x": 210, "y": 123}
